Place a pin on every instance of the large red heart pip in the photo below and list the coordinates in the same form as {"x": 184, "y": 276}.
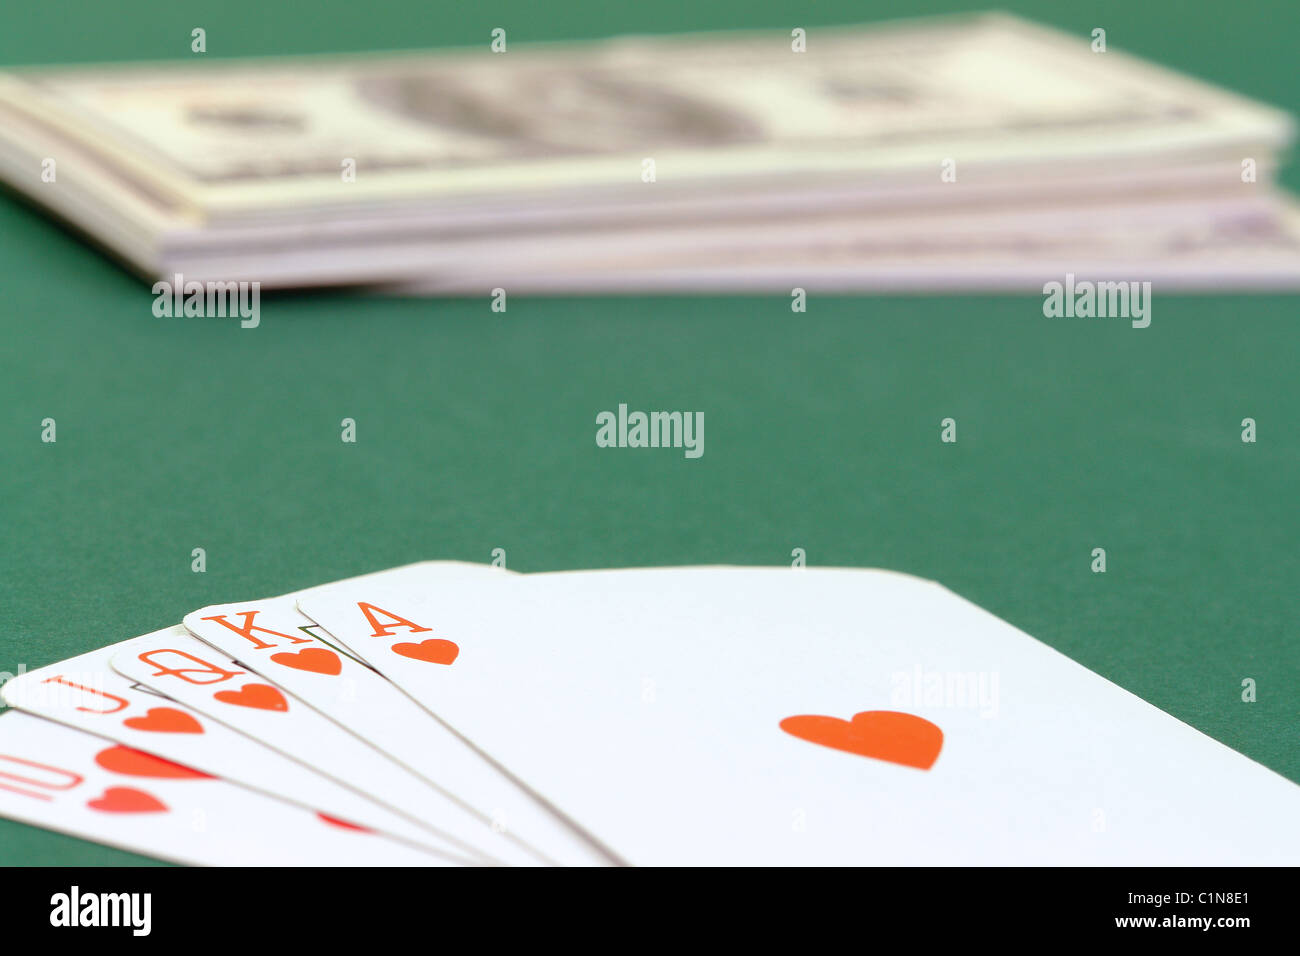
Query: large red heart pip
{"x": 126, "y": 800}
{"x": 883, "y": 734}
{"x": 261, "y": 696}
{"x": 314, "y": 659}
{"x": 134, "y": 763}
{"x": 165, "y": 720}
{"x": 435, "y": 651}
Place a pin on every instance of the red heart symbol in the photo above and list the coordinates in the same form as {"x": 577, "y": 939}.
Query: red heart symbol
{"x": 314, "y": 659}
{"x": 882, "y": 734}
{"x": 261, "y": 696}
{"x": 126, "y": 800}
{"x": 165, "y": 720}
{"x": 335, "y": 821}
{"x": 137, "y": 763}
{"x": 434, "y": 651}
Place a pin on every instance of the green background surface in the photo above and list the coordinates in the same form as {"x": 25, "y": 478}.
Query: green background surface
{"x": 476, "y": 430}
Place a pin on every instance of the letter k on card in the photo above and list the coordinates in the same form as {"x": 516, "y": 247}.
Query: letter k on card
{"x": 274, "y": 640}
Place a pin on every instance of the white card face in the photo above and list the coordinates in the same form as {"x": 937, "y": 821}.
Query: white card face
{"x": 86, "y": 693}
{"x": 273, "y": 639}
{"x": 62, "y": 779}
{"x": 190, "y": 671}
{"x": 778, "y": 716}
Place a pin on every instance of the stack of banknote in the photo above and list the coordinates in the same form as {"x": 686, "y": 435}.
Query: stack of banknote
{"x": 976, "y": 152}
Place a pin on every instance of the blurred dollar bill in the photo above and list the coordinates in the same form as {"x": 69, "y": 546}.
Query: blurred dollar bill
{"x": 1192, "y": 249}
{"x": 961, "y": 152}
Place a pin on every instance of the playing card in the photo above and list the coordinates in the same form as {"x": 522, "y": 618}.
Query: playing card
{"x": 780, "y": 716}
{"x": 184, "y": 668}
{"x": 273, "y": 639}
{"x": 63, "y": 779}
{"x": 86, "y": 693}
